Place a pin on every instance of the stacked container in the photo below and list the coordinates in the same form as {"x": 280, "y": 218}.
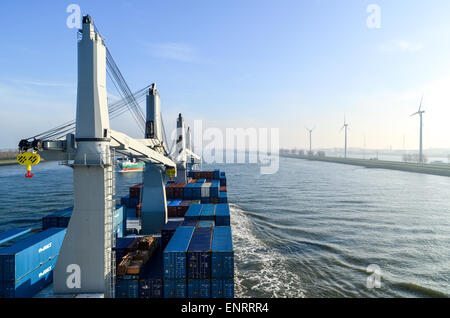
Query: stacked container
{"x": 26, "y": 266}
{"x": 168, "y": 231}
{"x": 208, "y": 212}
{"x": 175, "y": 263}
{"x": 57, "y": 219}
{"x": 151, "y": 282}
{"x": 194, "y": 212}
{"x": 222, "y": 263}
{"x": 199, "y": 263}
{"x": 222, "y": 215}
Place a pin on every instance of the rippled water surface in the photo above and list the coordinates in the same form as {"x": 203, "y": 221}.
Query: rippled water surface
{"x": 310, "y": 230}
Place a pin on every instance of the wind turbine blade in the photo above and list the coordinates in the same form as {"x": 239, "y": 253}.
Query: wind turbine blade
{"x": 414, "y": 114}
{"x": 420, "y": 106}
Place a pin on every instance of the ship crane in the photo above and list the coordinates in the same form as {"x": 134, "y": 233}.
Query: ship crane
{"x": 84, "y": 264}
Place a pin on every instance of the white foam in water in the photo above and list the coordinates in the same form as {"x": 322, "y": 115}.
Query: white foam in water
{"x": 260, "y": 271}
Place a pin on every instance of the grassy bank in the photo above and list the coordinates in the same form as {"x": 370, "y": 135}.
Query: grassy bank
{"x": 6, "y": 162}
{"x": 439, "y": 170}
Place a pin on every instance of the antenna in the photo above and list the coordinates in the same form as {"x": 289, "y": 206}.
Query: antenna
{"x": 420, "y": 112}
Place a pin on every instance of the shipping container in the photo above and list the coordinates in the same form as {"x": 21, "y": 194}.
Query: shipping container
{"x": 197, "y": 191}
{"x": 201, "y": 180}
{"x": 216, "y": 173}
{"x": 222, "y": 253}
{"x": 123, "y": 246}
{"x": 199, "y": 288}
{"x": 205, "y": 201}
{"x": 208, "y": 212}
{"x": 223, "y": 197}
{"x": 223, "y": 179}
{"x": 222, "y": 288}
{"x": 136, "y": 192}
{"x": 31, "y": 283}
{"x": 151, "y": 279}
{"x": 28, "y": 254}
{"x": 190, "y": 222}
{"x": 57, "y": 219}
{"x": 175, "y": 253}
{"x": 175, "y": 288}
{"x": 178, "y": 190}
{"x": 188, "y": 191}
{"x": 183, "y": 207}
{"x": 194, "y": 212}
{"x": 206, "y": 224}
{"x": 127, "y": 288}
{"x": 214, "y": 189}
{"x": 214, "y": 200}
{"x": 139, "y": 210}
{"x": 172, "y": 210}
{"x": 12, "y": 234}
{"x": 223, "y": 189}
{"x": 222, "y": 215}
{"x": 168, "y": 230}
{"x": 199, "y": 254}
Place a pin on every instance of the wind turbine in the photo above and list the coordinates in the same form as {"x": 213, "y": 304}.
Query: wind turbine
{"x": 310, "y": 139}
{"x": 420, "y": 113}
{"x": 346, "y": 127}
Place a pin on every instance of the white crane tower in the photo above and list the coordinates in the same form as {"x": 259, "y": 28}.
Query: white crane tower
{"x": 84, "y": 263}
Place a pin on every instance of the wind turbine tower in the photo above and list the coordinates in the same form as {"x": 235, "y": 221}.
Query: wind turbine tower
{"x": 345, "y": 127}
{"x": 420, "y": 113}
{"x": 310, "y": 139}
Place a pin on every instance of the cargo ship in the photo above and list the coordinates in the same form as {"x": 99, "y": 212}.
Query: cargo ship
{"x": 169, "y": 237}
{"x": 130, "y": 165}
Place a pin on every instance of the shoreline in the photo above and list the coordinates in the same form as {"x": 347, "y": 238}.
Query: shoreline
{"x": 433, "y": 169}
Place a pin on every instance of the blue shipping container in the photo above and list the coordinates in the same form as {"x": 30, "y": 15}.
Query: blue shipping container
{"x": 199, "y": 288}
{"x": 175, "y": 288}
{"x": 222, "y": 254}
{"x": 214, "y": 189}
{"x": 30, "y": 284}
{"x": 12, "y": 234}
{"x": 175, "y": 253}
{"x": 26, "y": 255}
{"x": 188, "y": 191}
{"x": 151, "y": 277}
{"x": 208, "y": 212}
{"x": 222, "y": 288}
{"x": 223, "y": 197}
{"x": 196, "y": 191}
{"x": 199, "y": 254}
{"x": 206, "y": 224}
{"x": 194, "y": 212}
{"x": 127, "y": 288}
{"x": 222, "y": 214}
{"x": 168, "y": 230}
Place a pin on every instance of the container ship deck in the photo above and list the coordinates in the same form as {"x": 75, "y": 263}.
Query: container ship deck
{"x": 192, "y": 256}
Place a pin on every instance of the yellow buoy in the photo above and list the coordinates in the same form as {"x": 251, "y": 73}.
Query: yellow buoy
{"x": 28, "y": 159}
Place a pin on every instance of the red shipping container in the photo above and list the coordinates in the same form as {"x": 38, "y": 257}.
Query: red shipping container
{"x": 135, "y": 191}
{"x": 223, "y": 189}
{"x": 214, "y": 200}
{"x": 139, "y": 210}
{"x": 178, "y": 190}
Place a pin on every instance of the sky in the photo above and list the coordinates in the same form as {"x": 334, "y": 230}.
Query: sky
{"x": 285, "y": 64}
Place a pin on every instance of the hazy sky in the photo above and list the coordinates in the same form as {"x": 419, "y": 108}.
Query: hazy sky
{"x": 253, "y": 63}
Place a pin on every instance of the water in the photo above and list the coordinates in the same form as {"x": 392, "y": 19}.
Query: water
{"x": 311, "y": 230}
